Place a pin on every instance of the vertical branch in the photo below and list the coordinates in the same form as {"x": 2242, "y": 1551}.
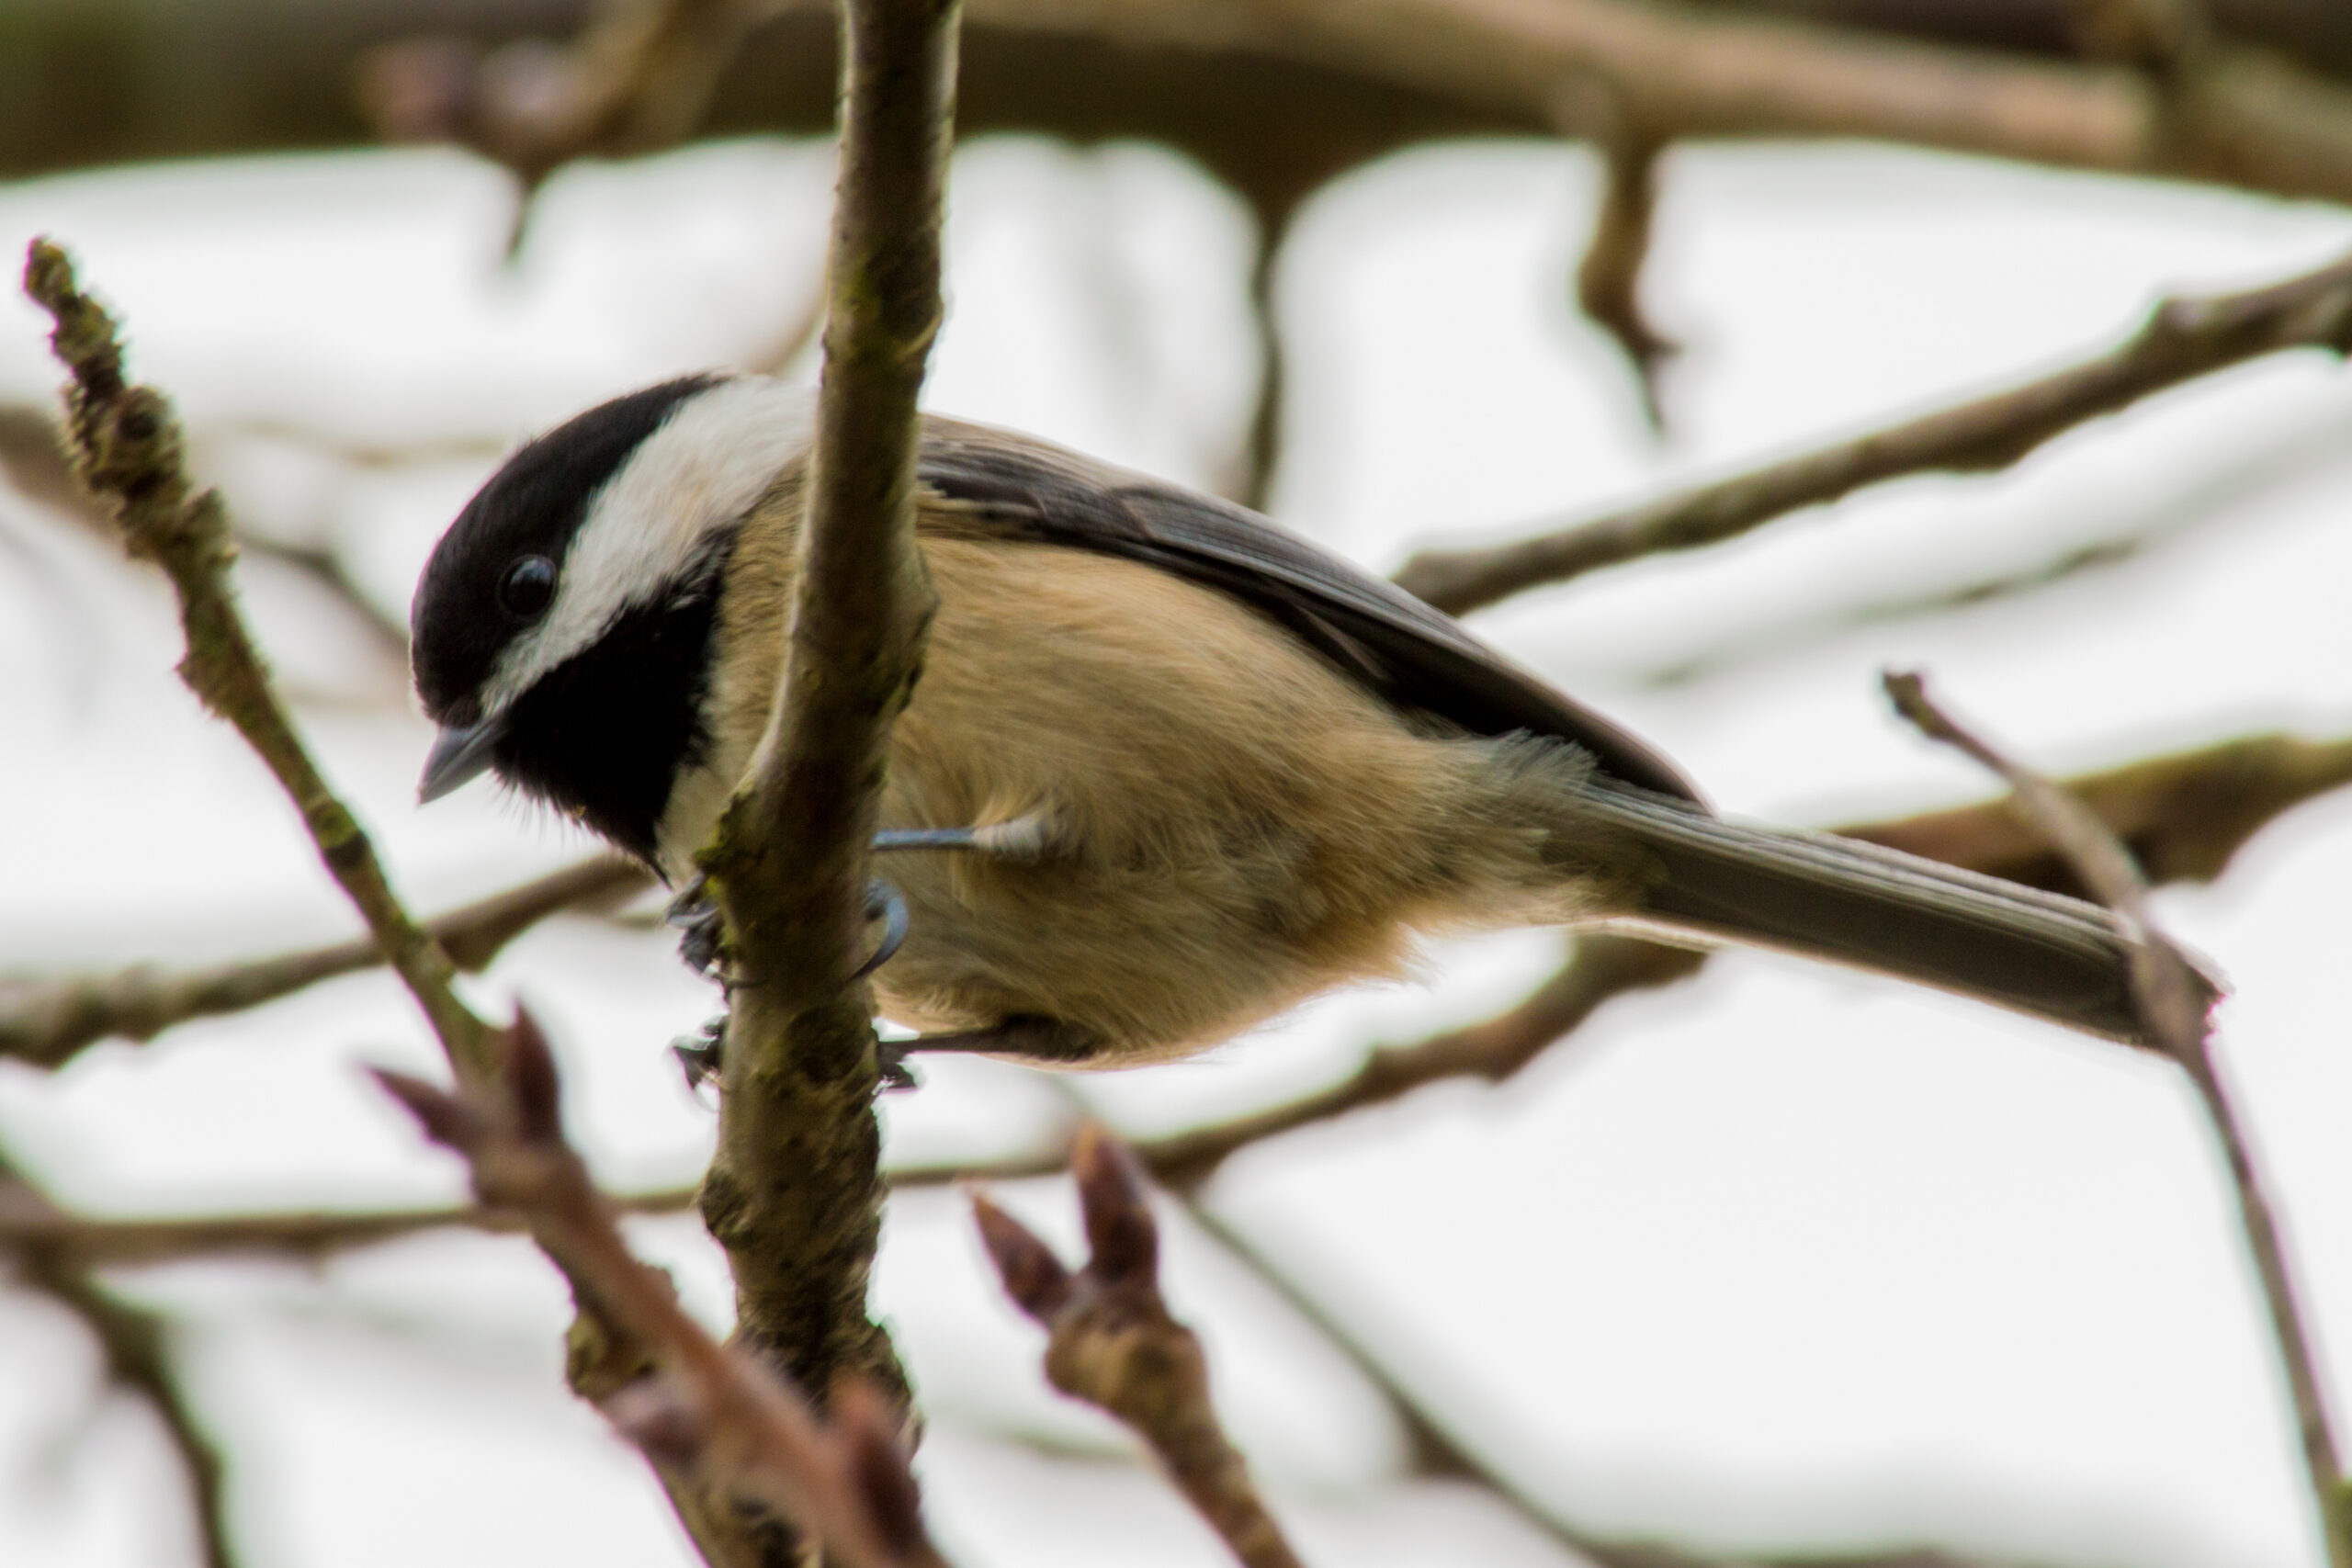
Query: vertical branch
{"x": 2172, "y": 1004}
{"x": 794, "y": 1192}
{"x": 1263, "y": 441}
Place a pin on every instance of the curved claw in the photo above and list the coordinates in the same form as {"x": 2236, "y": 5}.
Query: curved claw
{"x": 700, "y": 1055}
{"x": 886, "y": 904}
{"x": 705, "y": 929}
{"x": 898, "y": 1075}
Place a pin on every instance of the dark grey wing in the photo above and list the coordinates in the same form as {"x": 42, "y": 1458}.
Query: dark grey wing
{"x": 1397, "y": 645}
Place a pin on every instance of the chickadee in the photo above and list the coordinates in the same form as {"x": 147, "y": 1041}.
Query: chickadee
{"x": 1181, "y": 770}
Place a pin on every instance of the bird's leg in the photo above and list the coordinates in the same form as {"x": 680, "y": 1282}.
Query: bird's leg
{"x": 1024, "y": 839}
{"x": 1026, "y": 1035}
{"x": 702, "y": 1056}
{"x": 702, "y": 928}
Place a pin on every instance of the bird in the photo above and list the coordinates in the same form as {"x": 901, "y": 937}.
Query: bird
{"x": 1169, "y": 770}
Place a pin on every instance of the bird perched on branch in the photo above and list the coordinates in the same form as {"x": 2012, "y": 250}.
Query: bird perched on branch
{"x": 1169, "y": 770}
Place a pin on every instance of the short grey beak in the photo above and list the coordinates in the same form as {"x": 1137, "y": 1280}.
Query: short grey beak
{"x": 459, "y": 755}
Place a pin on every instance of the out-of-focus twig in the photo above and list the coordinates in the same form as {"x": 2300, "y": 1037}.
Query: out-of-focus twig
{"x": 1436, "y": 1451}
{"x": 325, "y": 569}
{"x": 2163, "y": 38}
{"x": 716, "y": 1414}
{"x": 305, "y": 1235}
{"x": 2183, "y": 339}
{"x": 48, "y": 1022}
{"x": 2182, "y": 816}
{"x": 634, "y": 80}
{"x": 1609, "y": 278}
{"x": 135, "y": 1342}
{"x": 1113, "y": 1342}
{"x": 37, "y": 465}
{"x": 2172, "y": 1004}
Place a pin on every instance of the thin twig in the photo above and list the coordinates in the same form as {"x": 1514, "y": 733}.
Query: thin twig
{"x": 636, "y": 79}
{"x": 2182, "y": 339}
{"x": 47, "y": 1022}
{"x": 135, "y": 1341}
{"x": 1609, "y": 278}
{"x": 716, "y": 1414}
{"x": 1113, "y": 1342}
{"x": 794, "y": 1192}
{"x": 2172, "y": 1004}
{"x": 127, "y": 449}
{"x": 301, "y": 1236}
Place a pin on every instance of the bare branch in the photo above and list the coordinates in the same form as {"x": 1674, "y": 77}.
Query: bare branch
{"x": 304, "y": 1235}
{"x": 1367, "y": 74}
{"x": 2182, "y": 816}
{"x": 794, "y": 1192}
{"x": 637, "y": 78}
{"x": 47, "y": 1022}
{"x": 1112, "y": 1343}
{"x": 127, "y": 449}
{"x": 138, "y": 1360}
{"x": 2172, "y": 1004}
{"x": 2182, "y": 339}
{"x": 1608, "y": 279}
{"x": 136, "y": 1344}
{"x": 716, "y": 1414}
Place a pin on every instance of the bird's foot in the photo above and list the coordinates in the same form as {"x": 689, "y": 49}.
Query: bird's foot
{"x": 701, "y": 928}
{"x": 701, "y": 1055}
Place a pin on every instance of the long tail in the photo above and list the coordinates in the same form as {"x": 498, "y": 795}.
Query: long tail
{"x": 1850, "y": 902}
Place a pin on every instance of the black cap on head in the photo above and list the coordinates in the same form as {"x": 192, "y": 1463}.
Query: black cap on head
{"x": 533, "y": 506}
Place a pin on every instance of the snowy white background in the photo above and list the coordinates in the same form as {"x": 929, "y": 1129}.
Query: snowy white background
{"x": 1780, "y": 1258}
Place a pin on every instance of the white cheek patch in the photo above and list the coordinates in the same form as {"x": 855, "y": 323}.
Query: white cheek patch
{"x": 704, "y": 468}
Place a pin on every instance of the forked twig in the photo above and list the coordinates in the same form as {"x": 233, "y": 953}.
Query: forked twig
{"x": 1113, "y": 1342}
{"x": 716, "y": 1412}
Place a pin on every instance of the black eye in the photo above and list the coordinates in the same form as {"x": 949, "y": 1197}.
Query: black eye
{"x": 527, "y": 586}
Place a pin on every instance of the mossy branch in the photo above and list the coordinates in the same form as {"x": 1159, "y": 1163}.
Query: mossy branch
{"x": 794, "y": 1192}
{"x": 128, "y": 450}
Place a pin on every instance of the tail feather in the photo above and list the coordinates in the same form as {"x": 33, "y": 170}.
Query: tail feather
{"x": 1876, "y": 908}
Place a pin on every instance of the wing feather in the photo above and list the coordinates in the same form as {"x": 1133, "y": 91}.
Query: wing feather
{"x": 1375, "y": 632}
